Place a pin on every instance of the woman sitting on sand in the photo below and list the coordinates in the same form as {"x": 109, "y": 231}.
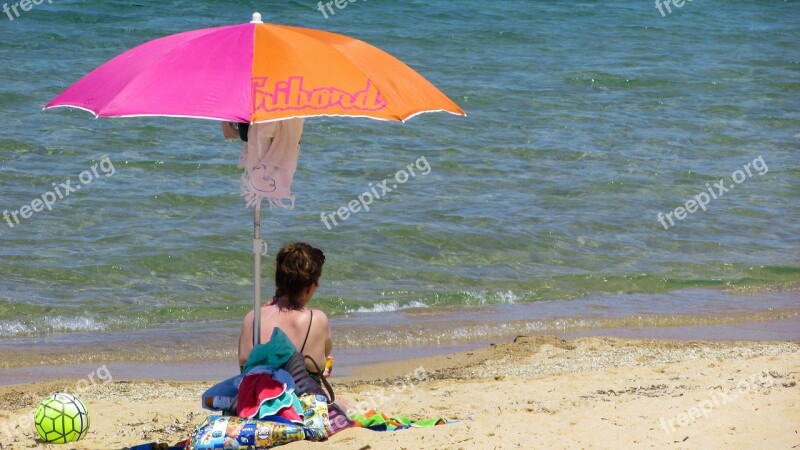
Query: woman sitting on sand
{"x": 297, "y": 273}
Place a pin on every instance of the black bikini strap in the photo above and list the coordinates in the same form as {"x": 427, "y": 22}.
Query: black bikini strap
{"x": 307, "y": 332}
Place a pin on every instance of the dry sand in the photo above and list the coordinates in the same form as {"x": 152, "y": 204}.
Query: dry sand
{"x": 533, "y": 393}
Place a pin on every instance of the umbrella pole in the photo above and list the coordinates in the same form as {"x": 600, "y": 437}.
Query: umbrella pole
{"x": 257, "y": 277}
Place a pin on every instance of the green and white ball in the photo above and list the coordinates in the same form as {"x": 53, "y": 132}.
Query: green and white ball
{"x": 61, "y": 418}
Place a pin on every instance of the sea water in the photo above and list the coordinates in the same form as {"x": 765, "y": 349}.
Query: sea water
{"x": 592, "y": 127}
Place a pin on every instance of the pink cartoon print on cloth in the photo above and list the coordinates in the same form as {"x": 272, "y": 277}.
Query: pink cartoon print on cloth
{"x": 270, "y": 160}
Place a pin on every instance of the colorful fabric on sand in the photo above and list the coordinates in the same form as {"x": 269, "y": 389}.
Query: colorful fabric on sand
{"x": 260, "y": 396}
{"x": 315, "y": 417}
{"x": 237, "y": 433}
{"x": 224, "y": 395}
{"x": 224, "y": 392}
{"x": 376, "y": 421}
{"x": 266, "y": 396}
{"x": 287, "y": 405}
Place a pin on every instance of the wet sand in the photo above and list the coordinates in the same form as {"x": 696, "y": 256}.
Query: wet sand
{"x": 537, "y": 391}
{"x": 207, "y": 350}
{"x": 22, "y": 363}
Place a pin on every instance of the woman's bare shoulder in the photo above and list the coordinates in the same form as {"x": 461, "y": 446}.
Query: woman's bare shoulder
{"x": 320, "y": 317}
{"x": 248, "y": 318}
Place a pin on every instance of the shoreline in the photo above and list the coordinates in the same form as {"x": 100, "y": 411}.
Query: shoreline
{"x": 206, "y": 350}
{"x": 619, "y": 392}
{"x": 350, "y": 360}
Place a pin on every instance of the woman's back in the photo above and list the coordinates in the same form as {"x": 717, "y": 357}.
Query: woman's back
{"x": 309, "y": 331}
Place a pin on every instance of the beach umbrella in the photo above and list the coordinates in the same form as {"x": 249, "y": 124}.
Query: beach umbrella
{"x": 255, "y": 72}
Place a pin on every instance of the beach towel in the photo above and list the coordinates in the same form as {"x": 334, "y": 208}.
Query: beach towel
{"x": 376, "y": 421}
{"x": 260, "y": 396}
{"x": 270, "y": 161}
{"x": 237, "y": 433}
{"x": 274, "y": 354}
{"x": 224, "y": 396}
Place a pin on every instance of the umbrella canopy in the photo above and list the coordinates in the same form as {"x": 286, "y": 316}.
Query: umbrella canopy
{"x": 255, "y": 72}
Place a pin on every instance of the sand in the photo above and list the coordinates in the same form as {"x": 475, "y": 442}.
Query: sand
{"x": 536, "y": 392}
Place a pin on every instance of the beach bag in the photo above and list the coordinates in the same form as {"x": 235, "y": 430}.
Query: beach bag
{"x": 306, "y": 384}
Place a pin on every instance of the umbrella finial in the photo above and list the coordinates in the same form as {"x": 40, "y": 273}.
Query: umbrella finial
{"x": 256, "y": 18}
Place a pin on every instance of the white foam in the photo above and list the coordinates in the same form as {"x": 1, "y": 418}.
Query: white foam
{"x": 507, "y": 297}
{"x": 388, "y": 307}
{"x": 489, "y": 297}
{"x": 10, "y": 328}
{"x": 15, "y": 328}
{"x": 61, "y": 323}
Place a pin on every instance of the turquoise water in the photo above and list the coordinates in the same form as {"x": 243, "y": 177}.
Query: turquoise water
{"x": 585, "y": 121}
